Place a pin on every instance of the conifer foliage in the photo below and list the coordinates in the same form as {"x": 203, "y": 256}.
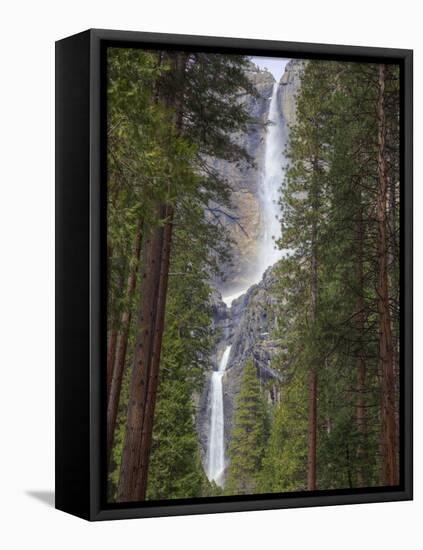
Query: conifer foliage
{"x": 335, "y": 297}
{"x": 169, "y": 114}
{"x": 248, "y": 437}
{"x": 337, "y": 423}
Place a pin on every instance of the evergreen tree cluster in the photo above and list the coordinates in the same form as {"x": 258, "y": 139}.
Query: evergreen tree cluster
{"x": 169, "y": 115}
{"x": 336, "y": 425}
{"x": 248, "y": 437}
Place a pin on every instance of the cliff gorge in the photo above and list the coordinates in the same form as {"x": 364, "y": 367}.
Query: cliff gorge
{"x": 248, "y": 323}
{"x": 247, "y": 326}
{"x": 245, "y": 230}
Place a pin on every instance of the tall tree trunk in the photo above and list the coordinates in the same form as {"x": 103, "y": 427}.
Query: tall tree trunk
{"x": 312, "y": 430}
{"x": 389, "y": 473}
{"x": 122, "y": 342}
{"x": 113, "y": 316}
{"x": 111, "y": 354}
{"x": 178, "y": 62}
{"x": 312, "y": 381}
{"x": 361, "y": 416}
{"x": 393, "y": 279}
{"x": 137, "y": 446}
{"x": 151, "y": 261}
{"x": 147, "y": 430}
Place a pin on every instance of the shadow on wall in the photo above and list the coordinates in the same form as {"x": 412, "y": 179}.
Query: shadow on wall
{"x": 46, "y": 497}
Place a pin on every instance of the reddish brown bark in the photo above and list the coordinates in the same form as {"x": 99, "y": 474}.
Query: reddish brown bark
{"x": 111, "y": 353}
{"x": 361, "y": 416}
{"x": 136, "y": 451}
{"x": 389, "y": 443}
{"x": 122, "y": 342}
{"x": 312, "y": 381}
{"x": 147, "y": 430}
{"x": 312, "y": 430}
{"x": 151, "y": 261}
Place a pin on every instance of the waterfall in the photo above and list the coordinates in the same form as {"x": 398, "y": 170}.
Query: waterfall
{"x": 271, "y": 179}
{"x": 216, "y": 443}
{"x": 271, "y": 182}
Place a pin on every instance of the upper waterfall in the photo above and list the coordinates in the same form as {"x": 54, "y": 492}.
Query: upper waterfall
{"x": 269, "y": 191}
{"x": 271, "y": 179}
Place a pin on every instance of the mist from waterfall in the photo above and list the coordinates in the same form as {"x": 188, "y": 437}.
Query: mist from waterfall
{"x": 216, "y": 443}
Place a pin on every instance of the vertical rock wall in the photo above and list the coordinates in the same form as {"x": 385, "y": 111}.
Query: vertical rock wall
{"x": 244, "y": 181}
{"x": 288, "y": 88}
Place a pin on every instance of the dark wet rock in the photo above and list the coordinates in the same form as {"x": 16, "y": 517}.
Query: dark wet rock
{"x": 248, "y": 327}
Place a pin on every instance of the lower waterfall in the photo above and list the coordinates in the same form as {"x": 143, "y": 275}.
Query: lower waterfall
{"x": 216, "y": 447}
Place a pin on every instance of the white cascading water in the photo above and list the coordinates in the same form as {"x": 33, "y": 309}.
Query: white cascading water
{"x": 273, "y": 174}
{"x": 216, "y": 446}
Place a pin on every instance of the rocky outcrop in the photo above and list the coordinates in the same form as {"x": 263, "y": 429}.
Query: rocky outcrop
{"x": 247, "y": 326}
{"x": 288, "y": 88}
{"x": 252, "y": 322}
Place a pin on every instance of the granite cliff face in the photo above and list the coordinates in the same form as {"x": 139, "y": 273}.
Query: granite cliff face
{"x": 244, "y": 180}
{"x": 288, "y": 88}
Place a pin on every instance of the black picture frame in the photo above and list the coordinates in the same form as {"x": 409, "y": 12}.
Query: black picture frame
{"x": 80, "y": 274}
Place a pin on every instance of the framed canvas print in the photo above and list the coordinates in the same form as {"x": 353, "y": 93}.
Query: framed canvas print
{"x": 234, "y": 274}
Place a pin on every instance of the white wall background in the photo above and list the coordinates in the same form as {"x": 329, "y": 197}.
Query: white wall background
{"x": 29, "y": 29}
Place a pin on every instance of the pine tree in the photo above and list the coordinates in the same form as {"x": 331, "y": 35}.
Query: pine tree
{"x": 284, "y": 466}
{"x": 175, "y": 469}
{"x": 248, "y": 437}
{"x": 137, "y": 161}
{"x": 185, "y": 356}
{"x": 303, "y": 228}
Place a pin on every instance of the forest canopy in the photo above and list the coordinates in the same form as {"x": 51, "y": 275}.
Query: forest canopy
{"x": 325, "y": 413}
